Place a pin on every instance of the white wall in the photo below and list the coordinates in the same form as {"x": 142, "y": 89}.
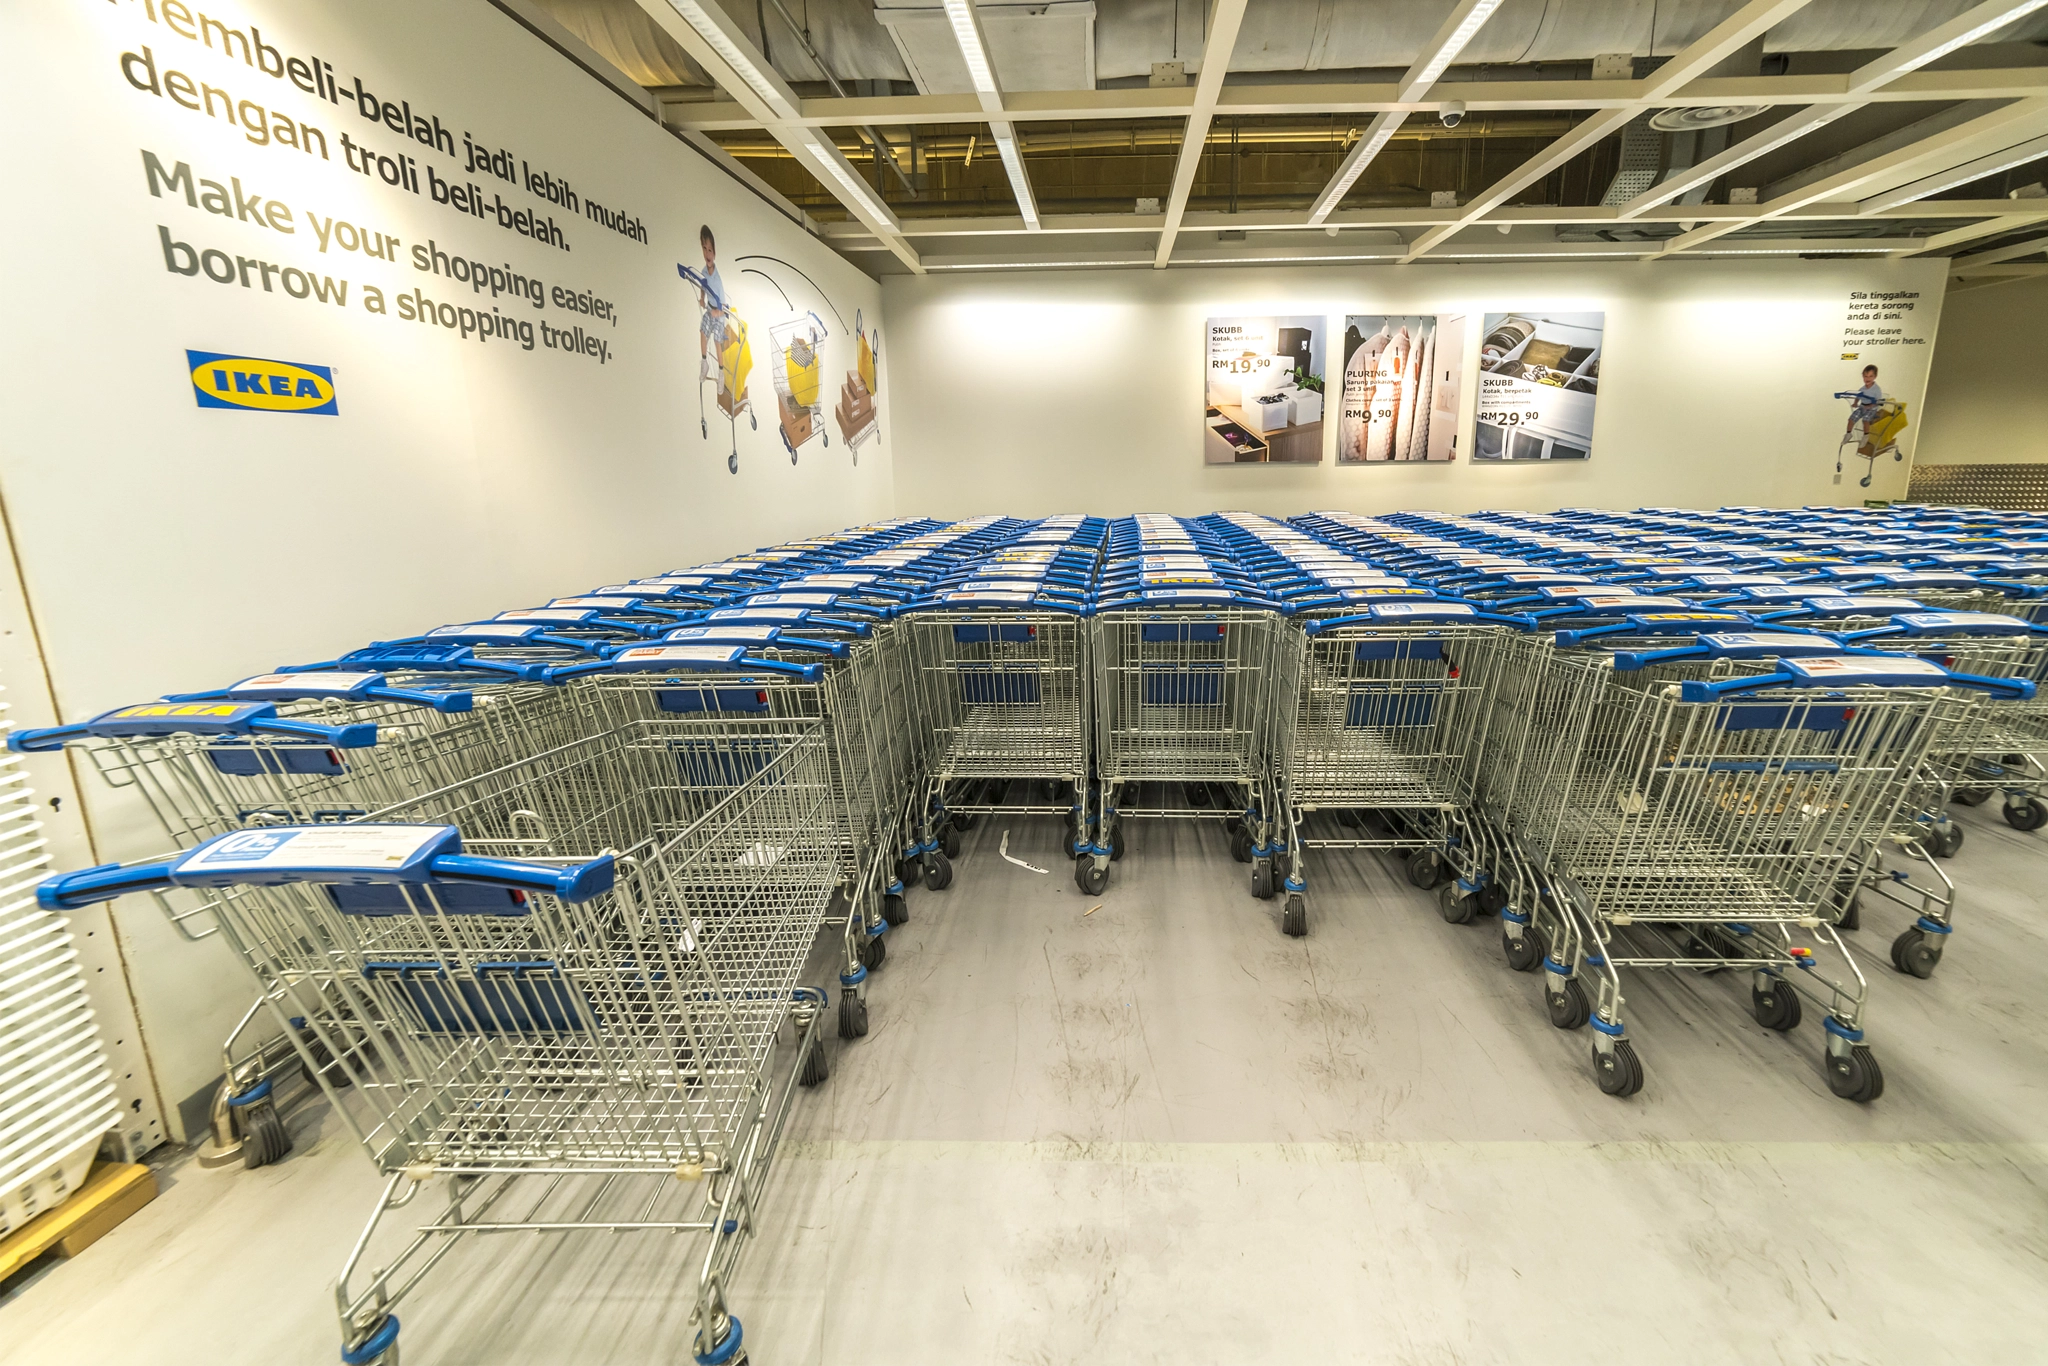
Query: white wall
{"x": 166, "y": 547}
{"x": 1985, "y": 400}
{"x": 1030, "y": 393}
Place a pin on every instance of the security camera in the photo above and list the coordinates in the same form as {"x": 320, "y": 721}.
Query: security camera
{"x": 1452, "y": 114}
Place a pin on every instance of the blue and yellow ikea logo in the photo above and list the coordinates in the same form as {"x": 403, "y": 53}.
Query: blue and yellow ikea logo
{"x": 267, "y": 386}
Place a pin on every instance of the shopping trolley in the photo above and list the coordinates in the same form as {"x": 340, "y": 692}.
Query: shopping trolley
{"x": 1387, "y": 715}
{"x": 858, "y": 421}
{"x": 1001, "y": 673}
{"x": 766, "y": 675}
{"x": 799, "y": 371}
{"x": 731, "y": 364}
{"x": 566, "y": 980}
{"x": 1687, "y": 820}
{"x": 1184, "y": 693}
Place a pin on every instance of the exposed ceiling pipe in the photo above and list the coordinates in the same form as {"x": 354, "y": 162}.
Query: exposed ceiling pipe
{"x": 877, "y": 144}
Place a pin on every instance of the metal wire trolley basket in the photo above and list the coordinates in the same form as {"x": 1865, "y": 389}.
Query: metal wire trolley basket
{"x": 564, "y": 984}
{"x": 799, "y": 374}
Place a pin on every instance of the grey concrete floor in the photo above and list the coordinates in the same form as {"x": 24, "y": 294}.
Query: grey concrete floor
{"x": 1161, "y": 1131}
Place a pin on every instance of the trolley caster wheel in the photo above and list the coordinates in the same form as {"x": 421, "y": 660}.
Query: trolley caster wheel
{"x": 704, "y": 429}
{"x": 1567, "y": 1006}
{"x": 1116, "y": 845}
{"x": 1070, "y": 821}
{"x": 323, "y": 1064}
{"x": 1850, "y": 904}
{"x": 1970, "y": 796}
{"x": 1090, "y": 878}
{"x": 1855, "y": 1075}
{"x": 895, "y": 909}
{"x": 1522, "y": 954}
{"x": 1241, "y": 845}
{"x": 873, "y": 953}
{"x": 949, "y": 840}
{"x": 1493, "y": 898}
{"x": 910, "y": 871}
{"x": 1425, "y": 869}
{"x": 816, "y": 1069}
{"x": 1294, "y": 917}
{"x": 379, "y": 1349}
{"x": 1916, "y": 953}
{"x": 1775, "y": 1007}
{"x": 938, "y": 871}
{"x": 962, "y": 822}
{"x": 825, "y": 438}
{"x": 2028, "y": 813}
{"x": 753, "y": 423}
{"x": 853, "y": 1016}
{"x": 1456, "y": 906}
{"x": 1198, "y": 796}
{"x": 264, "y": 1138}
{"x": 1944, "y": 840}
{"x": 1262, "y": 880}
{"x": 1619, "y": 1072}
{"x": 732, "y": 463}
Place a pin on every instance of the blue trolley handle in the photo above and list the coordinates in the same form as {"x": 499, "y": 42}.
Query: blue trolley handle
{"x": 577, "y": 882}
{"x": 738, "y": 663}
{"x": 1424, "y": 616}
{"x": 457, "y": 701}
{"x": 355, "y": 735}
{"x": 2004, "y": 689}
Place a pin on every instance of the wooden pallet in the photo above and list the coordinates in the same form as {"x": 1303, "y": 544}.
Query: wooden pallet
{"x": 112, "y": 1192}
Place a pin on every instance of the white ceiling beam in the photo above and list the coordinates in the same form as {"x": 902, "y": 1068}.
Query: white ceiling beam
{"x": 1901, "y": 61}
{"x": 1926, "y": 156}
{"x": 2017, "y": 213}
{"x": 1749, "y": 149}
{"x": 2010, "y": 252}
{"x": 1701, "y": 55}
{"x": 1979, "y": 21}
{"x": 1955, "y": 237}
{"x": 709, "y": 36}
{"x": 1480, "y": 97}
{"x": 1458, "y": 28}
{"x": 1217, "y": 48}
{"x": 981, "y": 72}
{"x": 2003, "y": 160}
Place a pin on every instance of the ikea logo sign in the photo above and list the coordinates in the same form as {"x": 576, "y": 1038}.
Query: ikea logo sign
{"x": 269, "y": 386}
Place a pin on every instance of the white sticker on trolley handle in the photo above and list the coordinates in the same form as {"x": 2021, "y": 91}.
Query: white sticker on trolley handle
{"x": 989, "y": 596}
{"x": 592, "y": 604}
{"x": 1859, "y": 602}
{"x": 742, "y": 613}
{"x": 1837, "y": 670}
{"x": 657, "y": 655}
{"x": 301, "y": 685}
{"x": 485, "y": 630}
{"x": 545, "y": 614}
{"x": 723, "y": 635}
{"x": 1964, "y": 621}
{"x": 1390, "y": 611}
{"x": 1761, "y": 640}
{"x": 794, "y": 600}
{"x": 319, "y": 848}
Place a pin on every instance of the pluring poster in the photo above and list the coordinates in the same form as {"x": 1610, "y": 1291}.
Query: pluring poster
{"x": 1539, "y": 376}
{"x": 1403, "y": 376}
{"x": 1263, "y": 391}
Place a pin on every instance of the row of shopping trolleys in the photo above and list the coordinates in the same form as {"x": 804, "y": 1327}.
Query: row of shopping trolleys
{"x": 528, "y": 898}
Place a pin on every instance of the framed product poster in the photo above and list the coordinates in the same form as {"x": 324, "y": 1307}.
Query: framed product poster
{"x": 1403, "y": 375}
{"x": 1539, "y": 377}
{"x": 1263, "y": 391}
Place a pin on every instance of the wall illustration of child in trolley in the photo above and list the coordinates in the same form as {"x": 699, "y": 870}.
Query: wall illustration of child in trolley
{"x": 1875, "y": 424}
{"x": 722, "y": 350}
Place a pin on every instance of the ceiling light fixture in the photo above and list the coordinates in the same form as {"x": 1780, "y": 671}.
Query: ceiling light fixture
{"x": 1414, "y": 85}
{"x": 721, "y": 43}
{"x": 967, "y": 33}
{"x": 1961, "y": 31}
{"x": 1013, "y": 164}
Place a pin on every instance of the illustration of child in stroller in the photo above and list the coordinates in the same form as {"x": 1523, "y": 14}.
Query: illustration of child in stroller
{"x": 1874, "y": 425}
{"x": 722, "y": 350}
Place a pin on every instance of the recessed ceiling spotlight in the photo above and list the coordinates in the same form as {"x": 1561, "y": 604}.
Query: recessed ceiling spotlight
{"x": 1703, "y": 116}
